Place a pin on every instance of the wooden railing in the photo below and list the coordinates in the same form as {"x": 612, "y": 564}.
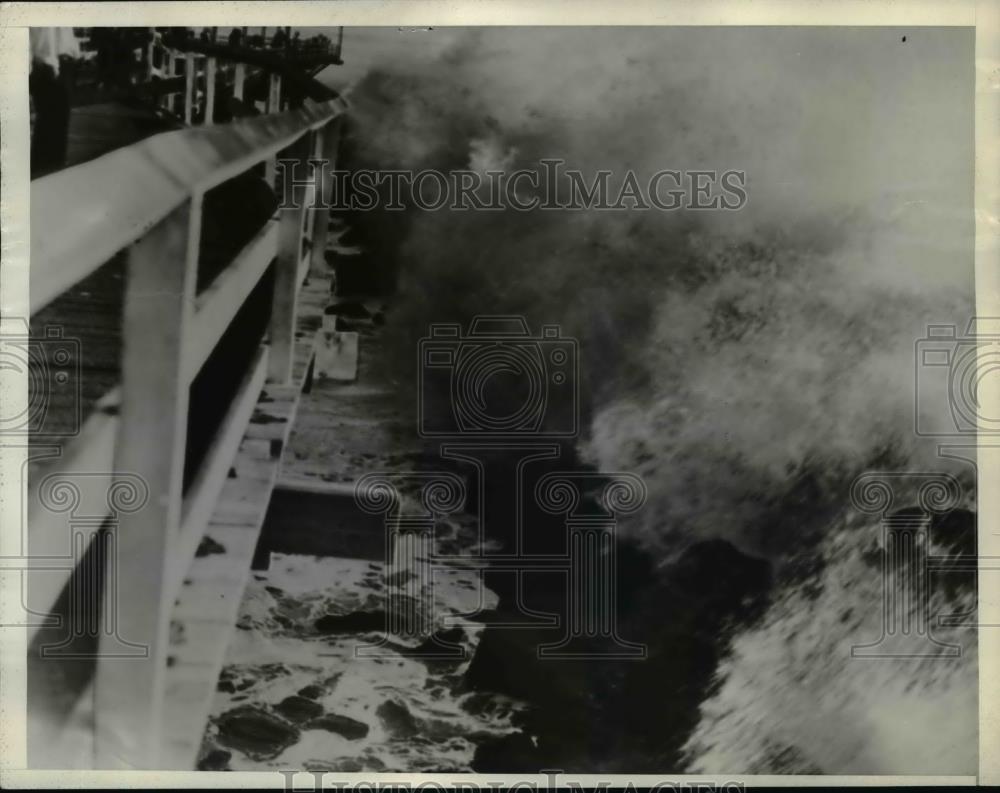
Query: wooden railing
{"x": 203, "y": 59}
{"x": 147, "y": 199}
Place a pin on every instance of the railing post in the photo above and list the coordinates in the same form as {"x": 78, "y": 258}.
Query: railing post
{"x": 238, "y": 78}
{"x": 168, "y": 72}
{"x": 150, "y": 49}
{"x": 315, "y": 153}
{"x": 286, "y": 280}
{"x": 209, "y": 90}
{"x": 272, "y": 106}
{"x": 150, "y": 443}
{"x": 189, "y": 70}
{"x": 329, "y": 141}
{"x": 274, "y": 94}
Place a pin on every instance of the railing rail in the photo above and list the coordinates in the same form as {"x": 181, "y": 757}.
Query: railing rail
{"x": 138, "y": 186}
{"x": 148, "y": 199}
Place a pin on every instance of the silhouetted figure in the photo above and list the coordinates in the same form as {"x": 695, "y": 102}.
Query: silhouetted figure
{"x": 236, "y": 38}
{"x": 176, "y": 37}
{"x": 53, "y": 54}
{"x": 279, "y": 39}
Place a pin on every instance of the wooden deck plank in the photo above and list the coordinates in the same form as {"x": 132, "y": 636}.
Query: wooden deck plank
{"x": 204, "y": 616}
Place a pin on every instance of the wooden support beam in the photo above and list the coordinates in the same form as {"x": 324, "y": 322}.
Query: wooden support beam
{"x": 274, "y": 94}
{"x": 189, "y": 69}
{"x": 286, "y": 281}
{"x": 209, "y": 90}
{"x": 150, "y": 50}
{"x": 150, "y": 444}
{"x": 329, "y": 143}
{"x": 273, "y": 105}
{"x": 168, "y": 71}
{"x": 203, "y": 493}
{"x": 218, "y": 303}
{"x": 312, "y": 194}
{"x": 239, "y": 78}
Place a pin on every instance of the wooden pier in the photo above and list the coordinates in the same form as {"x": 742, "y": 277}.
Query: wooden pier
{"x": 130, "y": 473}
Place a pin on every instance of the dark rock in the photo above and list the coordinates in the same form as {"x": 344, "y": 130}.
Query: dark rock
{"x": 374, "y": 763}
{"x": 273, "y": 670}
{"x": 260, "y": 417}
{"x": 311, "y": 692}
{"x": 348, "y": 766}
{"x": 400, "y": 577}
{"x": 177, "y": 632}
{"x": 397, "y": 719}
{"x": 348, "y": 309}
{"x": 442, "y": 730}
{"x": 510, "y": 754}
{"x": 260, "y": 735}
{"x": 231, "y": 680}
{"x": 442, "y": 648}
{"x": 356, "y": 622}
{"x": 215, "y": 760}
{"x": 208, "y": 546}
{"x": 298, "y": 709}
{"x": 349, "y": 728}
{"x": 479, "y": 703}
{"x": 352, "y": 236}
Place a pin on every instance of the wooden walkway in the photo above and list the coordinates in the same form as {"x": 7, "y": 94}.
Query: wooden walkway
{"x": 205, "y": 613}
{"x": 97, "y": 129}
{"x": 192, "y": 344}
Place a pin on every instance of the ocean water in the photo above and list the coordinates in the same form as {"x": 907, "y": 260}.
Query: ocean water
{"x": 748, "y": 366}
{"x": 278, "y": 651}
